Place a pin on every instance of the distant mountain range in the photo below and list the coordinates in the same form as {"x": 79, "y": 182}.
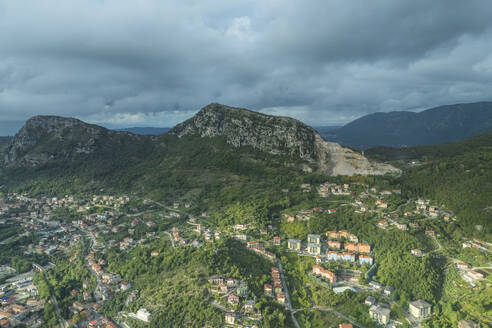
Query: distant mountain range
{"x": 145, "y": 130}
{"x": 401, "y": 128}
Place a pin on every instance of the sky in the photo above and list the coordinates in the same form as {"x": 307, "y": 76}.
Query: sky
{"x": 123, "y": 63}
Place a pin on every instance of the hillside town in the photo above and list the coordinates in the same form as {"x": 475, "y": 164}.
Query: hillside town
{"x": 82, "y": 229}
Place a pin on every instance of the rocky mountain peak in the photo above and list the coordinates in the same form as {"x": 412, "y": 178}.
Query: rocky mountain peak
{"x": 277, "y": 135}
{"x": 47, "y": 137}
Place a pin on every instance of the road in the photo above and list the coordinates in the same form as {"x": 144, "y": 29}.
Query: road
{"x": 287, "y": 296}
{"x": 218, "y": 306}
{"x": 97, "y": 294}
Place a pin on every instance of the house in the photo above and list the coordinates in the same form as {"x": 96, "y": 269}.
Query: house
{"x": 314, "y": 239}
{"x": 249, "y": 306}
{"x": 388, "y": 290}
{"x": 348, "y": 257}
{"x": 268, "y": 289}
{"x": 223, "y": 288}
{"x": 281, "y": 298}
{"x": 230, "y": 318}
{"x": 462, "y": 265}
{"x": 365, "y": 259}
{"x": 419, "y": 309}
{"x": 379, "y": 314}
{"x": 358, "y": 247}
{"x": 231, "y": 282}
{"x": 314, "y": 249}
{"x": 216, "y": 280}
{"x": 270, "y": 255}
{"x": 334, "y": 244}
{"x": 276, "y": 240}
{"x": 401, "y": 226}
{"x": 383, "y": 224}
{"x": 370, "y": 301}
{"x": 472, "y": 275}
{"x": 376, "y": 285}
{"x": 345, "y": 325}
{"x": 294, "y": 244}
{"x": 332, "y": 234}
{"x": 326, "y": 274}
{"x": 332, "y": 256}
{"x": 430, "y": 233}
{"x": 143, "y": 315}
{"x": 416, "y": 252}
{"x": 233, "y": 299}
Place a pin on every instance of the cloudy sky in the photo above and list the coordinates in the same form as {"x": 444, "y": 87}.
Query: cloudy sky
{"x": 156, "y": 62}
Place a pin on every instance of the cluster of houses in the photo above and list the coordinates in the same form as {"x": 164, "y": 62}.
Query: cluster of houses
{"x": 305, "y": 215}
{"x": 327, "y": 188}
{"x": 89, "y": 316}
{"x": 19, "y": 301}
{"x": 332, "y": 249}
{"x": 380, "y": 312}
{"x": 275, "y": 290}
{"x": 208, "y": 234}
{"x": 259, "y": 249}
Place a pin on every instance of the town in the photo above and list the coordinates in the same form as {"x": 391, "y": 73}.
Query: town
{"x": 78, "y": 231}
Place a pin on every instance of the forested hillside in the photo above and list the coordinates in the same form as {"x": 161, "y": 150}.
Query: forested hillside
{"x": 449, "y": 123}
{"x": 456, "y": 174}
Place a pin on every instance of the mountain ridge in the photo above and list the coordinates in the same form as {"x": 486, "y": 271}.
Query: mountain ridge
{"x": 46, "y": 138}
{"x": 448, "y": 123}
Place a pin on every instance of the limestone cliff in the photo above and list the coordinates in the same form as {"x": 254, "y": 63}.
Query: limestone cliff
{"x": 278, "y": 135}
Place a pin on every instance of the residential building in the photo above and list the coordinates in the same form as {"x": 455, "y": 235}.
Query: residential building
{"x": 143, "y": 315}
{"x": 334, "y": 244}
{"x": 419, "y": 309}
{"x": 379, "y": 314}
{"x": 314, "y": 249}
{"x": 314, "y": 239}
{"x": 294, "y": 244}
{"x": 365, "y": 259}
{"x": 326, "y": 274}
{"x": 230, "y": 318}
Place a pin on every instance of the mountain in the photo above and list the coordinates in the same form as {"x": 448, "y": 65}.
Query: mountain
{"x": 145, "y": 130}
{"x": 456, "y": 174}
{"x": 277, "y": 135}
{"x": 433, "y": 126}
{"x": 50, "y": 138}
{"x": 4, "y": 141}
{"x": 220, "y": 143}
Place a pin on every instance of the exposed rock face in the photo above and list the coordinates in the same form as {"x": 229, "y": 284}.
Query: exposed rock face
{"x": 44, "y": 138}
{"x": 47, "y": 138}
{"x": 278, "y": 135}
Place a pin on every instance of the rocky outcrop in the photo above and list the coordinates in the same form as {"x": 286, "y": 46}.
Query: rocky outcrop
{"x": 46, "y": 138}
{"x": 278, "y": 135}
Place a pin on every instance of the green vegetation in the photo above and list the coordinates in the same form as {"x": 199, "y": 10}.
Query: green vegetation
{"x": 458, "y": 175}
{"x": 175, "y": 282}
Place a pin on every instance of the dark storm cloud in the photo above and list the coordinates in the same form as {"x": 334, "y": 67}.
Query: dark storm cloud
{"x": 156, "y": 62}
